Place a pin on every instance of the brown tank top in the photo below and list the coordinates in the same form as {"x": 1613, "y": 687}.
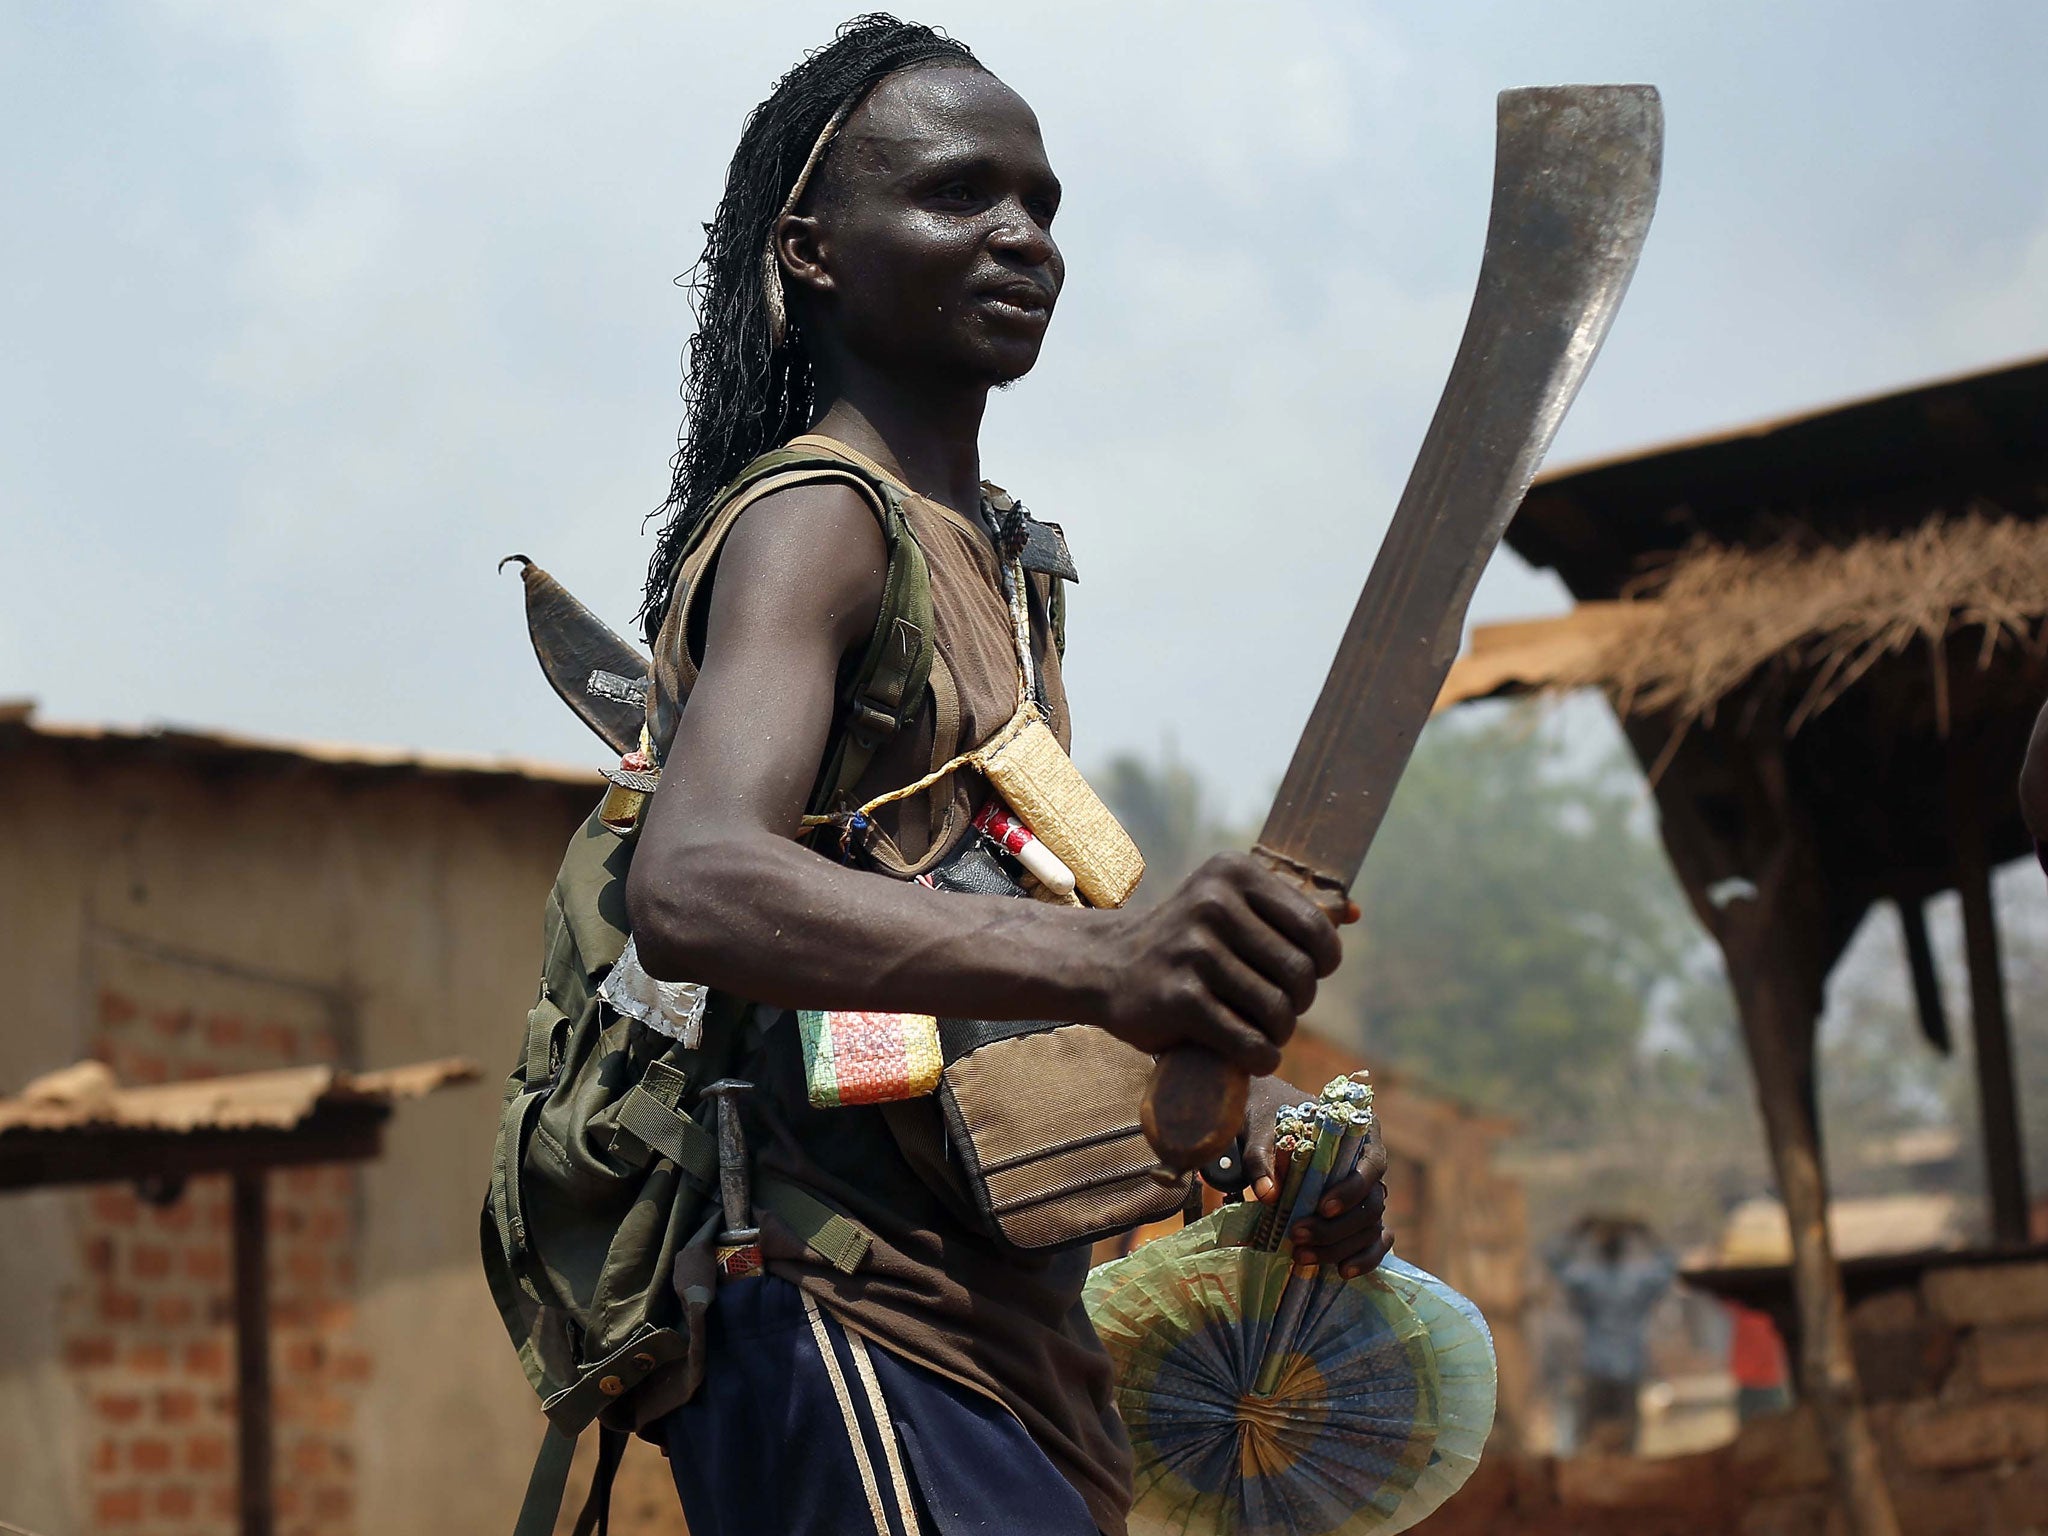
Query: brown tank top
{"x": 974, "y": 686}
{"x": 934, "y": 1288}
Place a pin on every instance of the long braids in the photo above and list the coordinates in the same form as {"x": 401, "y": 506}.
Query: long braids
{"x": 742, "y": 394}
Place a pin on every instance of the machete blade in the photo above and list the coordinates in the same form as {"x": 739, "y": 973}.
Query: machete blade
{"x": 1574, "y": 185}
{"x": 1575, "y": 182}
{"x": 599, "y": 675}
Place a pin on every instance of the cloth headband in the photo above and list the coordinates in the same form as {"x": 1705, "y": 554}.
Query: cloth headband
{"x": 771, "y": 264}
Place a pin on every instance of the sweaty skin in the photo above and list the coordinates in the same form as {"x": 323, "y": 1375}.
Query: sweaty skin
{"x": 922, "y": 273}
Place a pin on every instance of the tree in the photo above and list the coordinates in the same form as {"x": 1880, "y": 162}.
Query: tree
{"x": 1521, "y": 927}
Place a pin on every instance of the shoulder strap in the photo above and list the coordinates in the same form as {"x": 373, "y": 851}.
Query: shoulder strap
{"x": 885, "y": 687}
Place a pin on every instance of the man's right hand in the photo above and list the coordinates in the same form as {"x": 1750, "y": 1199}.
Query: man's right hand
{"x": 1229, "y": 962}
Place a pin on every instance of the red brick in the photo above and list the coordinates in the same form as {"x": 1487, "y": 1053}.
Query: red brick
{"x": 223, "y": 1503}
{"x": 1780, "y": 1453}
{"x": 116, "y": 1008}
{"x": 120, "y": 1306}
{"x": 276, "y": 1039}
{"x": 310, "y": 1458}
{"x": 327, "y": 1410}
{"x": 1990, "y": 1295}
{"x": 176, "y": 1502}
{"x": 206, "y": 1357}
{"x": 175, "y": 1217}
{"x": 2018, "y": 1502}
{"x": 1936, "y": 1438}
{"x": 1692, "y": 1483}
{"x": 118, "y": 1506}
{"x": 1948, "y": 1506}
{"x": 171, "y": 1023}
{"x": 149, "y": 1359}
{"x": 333, "y": 1503}
{"x": 174, "y": 1311}
{"x": 99, "y": 1257}
{"x": 150, "y": 1455}
{"x": 207, "y": 1261}
{"x": 307, "y": 1269}
{"x": 225, "y": 1029}
{"x": 288, "y": 1500}
{"x": 304, "y": 1357}
{"x": 1798, "y": 1514}
{"x": 121, "y": 1408}
{"x": 2010, "y": 1359}
{"x": 352, "y": 1365}
{"x": 106, "y": 1456}
{"x": 150, "y": 1261}
{"x": 92, "y": 1353}
{"x": 179, "y": 1407}
{"x": 147, "y": 1067}
{"x": 114, "y": 1207}
{"x": 206, "y": 1453}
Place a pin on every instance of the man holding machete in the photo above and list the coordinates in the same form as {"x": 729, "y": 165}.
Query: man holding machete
{"x": 858, "y": 652}
{"x": 900, "y": 198}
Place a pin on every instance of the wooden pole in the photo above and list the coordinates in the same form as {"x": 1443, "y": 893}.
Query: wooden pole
{"x": 252, "y": 1353}
{"x": 1926, "y": 979}
{"x": 2005, "y": 1167}
{"x": 1780, "y": 941}
{"x": 1773, "y": 1013}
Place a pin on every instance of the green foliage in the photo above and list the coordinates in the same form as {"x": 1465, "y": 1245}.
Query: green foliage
{"x": 1166, "y": 811}
{"x": 1521, "y": 923}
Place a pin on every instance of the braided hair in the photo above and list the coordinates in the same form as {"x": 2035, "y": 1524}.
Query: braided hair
{"x": 743, "y": 394}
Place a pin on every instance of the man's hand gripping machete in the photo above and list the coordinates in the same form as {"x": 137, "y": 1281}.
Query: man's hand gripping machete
{"x": 1575, "y": 182}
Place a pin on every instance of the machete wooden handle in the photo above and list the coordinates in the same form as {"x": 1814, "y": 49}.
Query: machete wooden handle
{"x": 1194, "y": 1104}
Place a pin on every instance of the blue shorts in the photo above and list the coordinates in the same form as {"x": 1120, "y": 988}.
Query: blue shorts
{"x": 803, "y": 1428}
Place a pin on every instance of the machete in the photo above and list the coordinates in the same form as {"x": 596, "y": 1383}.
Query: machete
{"x": 1575, "y": 183}
{"x": 599, "y": 675}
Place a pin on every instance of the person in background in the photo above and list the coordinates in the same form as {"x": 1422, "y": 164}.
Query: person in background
{"x": 1613, "y": 1274}
{"x": 1756, "y": 1359}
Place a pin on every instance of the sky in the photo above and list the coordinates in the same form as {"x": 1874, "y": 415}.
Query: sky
{"x": 312, "y": 311}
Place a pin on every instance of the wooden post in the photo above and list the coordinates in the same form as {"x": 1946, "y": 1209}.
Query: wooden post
{"x": 2005, "y": 1168}
{"x": 1773, "y": 1013}
{"x": 1780, "y": 940}
{"x": 252, "y": 1352}
{"x": 1926, "y": 979}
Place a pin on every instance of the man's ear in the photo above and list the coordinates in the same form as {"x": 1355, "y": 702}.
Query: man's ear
{"x": 801, "y": 247}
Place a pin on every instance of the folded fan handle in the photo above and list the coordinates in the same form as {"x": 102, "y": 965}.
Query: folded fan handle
{"x": 1194, "y": 1104}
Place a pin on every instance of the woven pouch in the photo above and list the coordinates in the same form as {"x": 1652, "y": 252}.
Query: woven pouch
{"x": 1032, "y": 772}
{"x": 868, "y": 1058}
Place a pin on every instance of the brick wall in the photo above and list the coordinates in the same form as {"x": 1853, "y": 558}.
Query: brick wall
{"x": 147, "y": 1323}
{"x": 1956, "y": 1370}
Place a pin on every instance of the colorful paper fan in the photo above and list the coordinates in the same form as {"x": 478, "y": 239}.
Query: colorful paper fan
{"x": 1380, "y": 1411}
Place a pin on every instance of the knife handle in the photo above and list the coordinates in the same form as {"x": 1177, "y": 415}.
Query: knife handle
{"x": 1194, "y": 1104}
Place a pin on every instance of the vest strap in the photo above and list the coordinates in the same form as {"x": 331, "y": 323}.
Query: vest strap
{"x": 839, "y": 1240}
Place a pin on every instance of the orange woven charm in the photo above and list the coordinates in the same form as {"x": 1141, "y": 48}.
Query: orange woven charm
{"x": 868, "y": 1058}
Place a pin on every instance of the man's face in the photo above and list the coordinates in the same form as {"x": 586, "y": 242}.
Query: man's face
{"x": 930, "y": 247}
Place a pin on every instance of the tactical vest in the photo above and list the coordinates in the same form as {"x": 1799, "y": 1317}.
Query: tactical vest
{"x": 597, "y": 1230}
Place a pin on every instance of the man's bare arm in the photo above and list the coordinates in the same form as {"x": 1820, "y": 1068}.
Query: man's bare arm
{"x": 721, "y": 893}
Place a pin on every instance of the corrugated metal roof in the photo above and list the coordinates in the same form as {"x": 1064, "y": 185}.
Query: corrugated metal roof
{"x": 17, "y": 716}
{"x": 87, "y": 1097}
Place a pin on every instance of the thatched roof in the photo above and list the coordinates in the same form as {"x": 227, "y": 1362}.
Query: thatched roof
{"x": 1880, "y": 465}
{"x": 1693, "y": 631}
